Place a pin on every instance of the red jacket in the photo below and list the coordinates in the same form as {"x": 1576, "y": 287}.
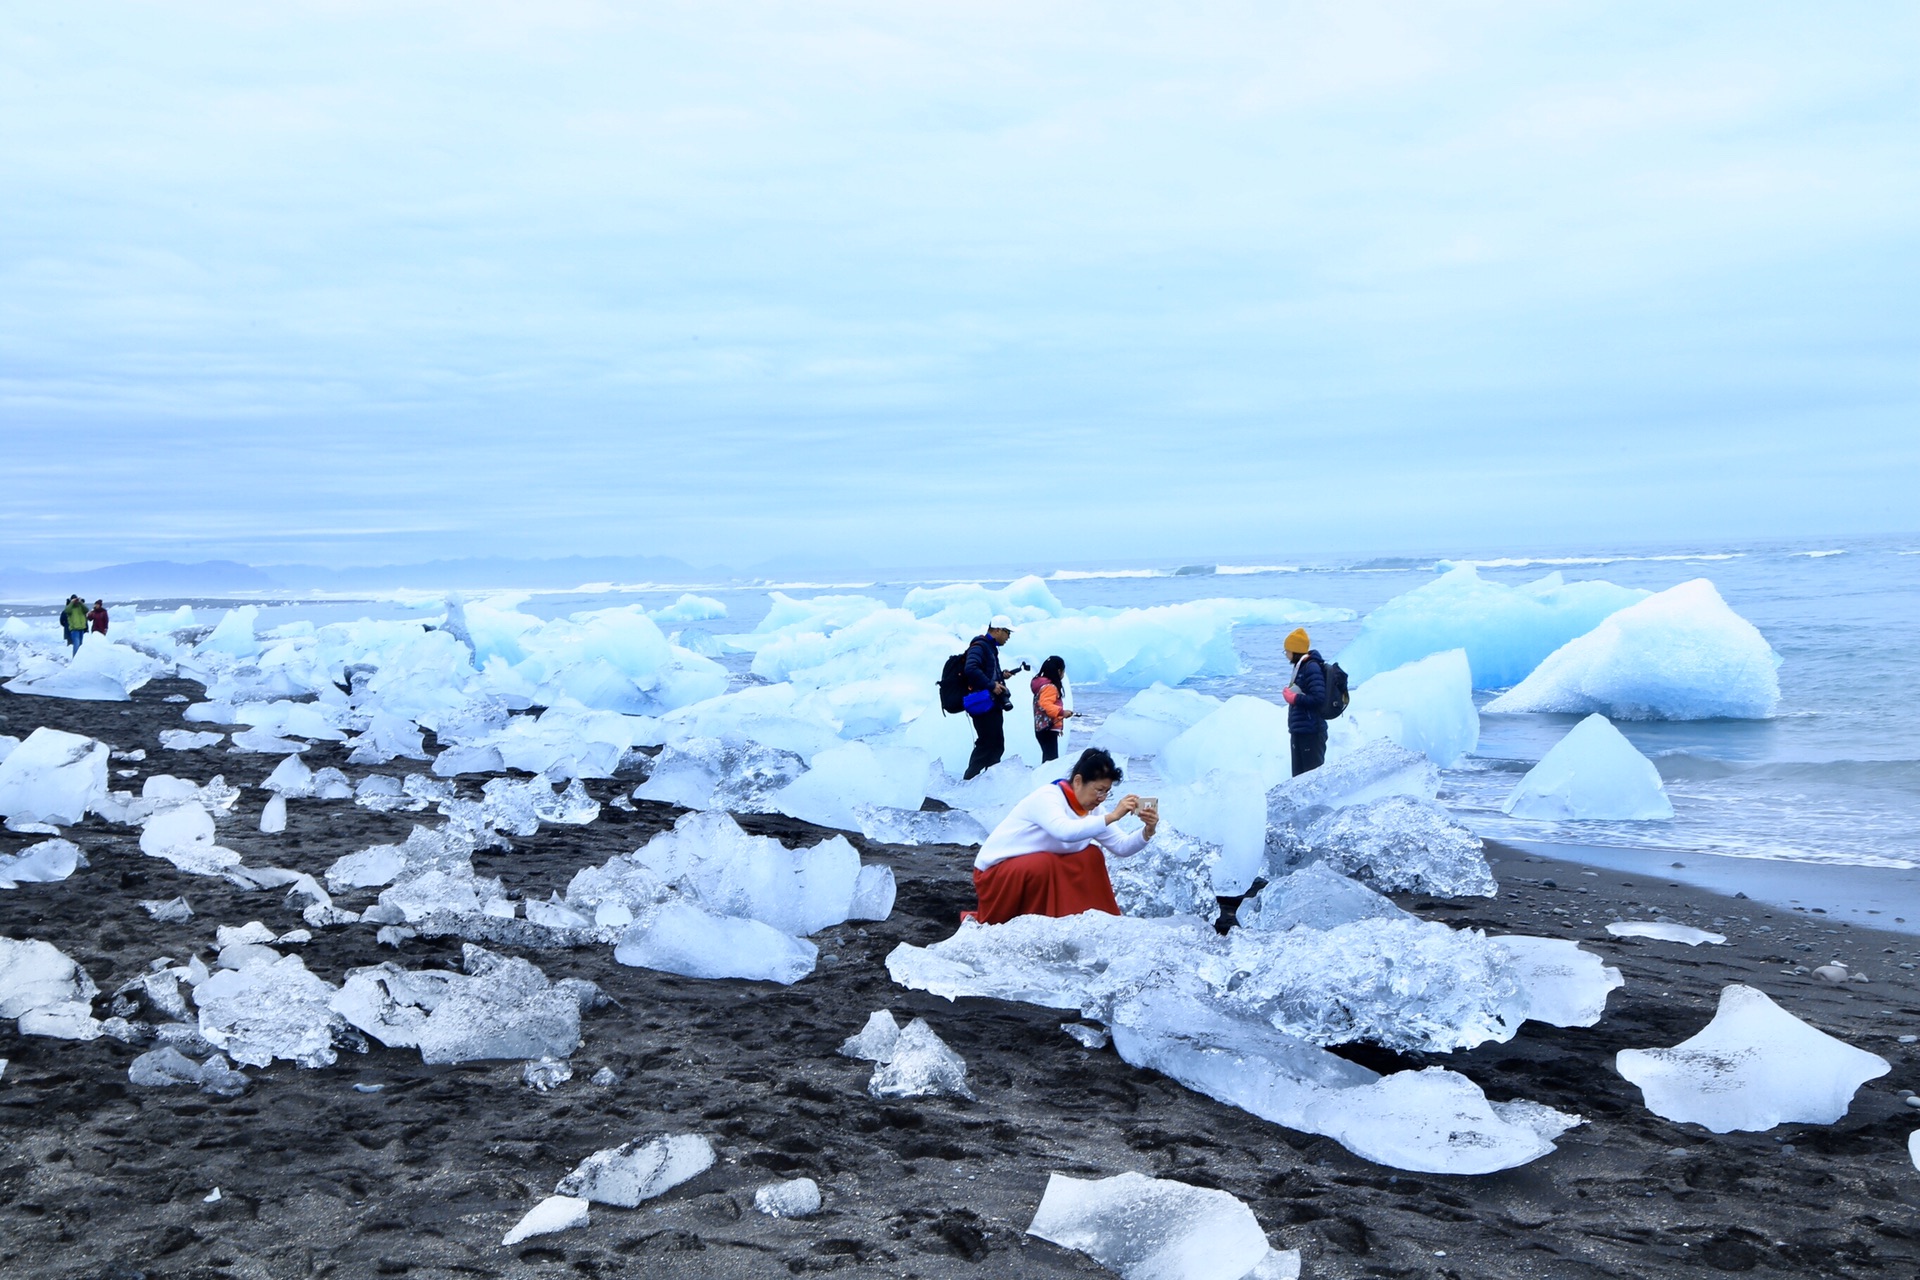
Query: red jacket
{"x": 97, "y": 620}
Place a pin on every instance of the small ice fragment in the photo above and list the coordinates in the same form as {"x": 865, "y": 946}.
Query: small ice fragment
{"x": 922, "y": 1066}
{"x": 47, "y": 862}
{"x": 252, "y": 931}
{"x": 1089, "y": 1037}
{"x": 172, "y": 911}
{"x": 1913, "y": 1139}
{"x": 211, "y": 1197}
{"x": 188, "y": 740}
{"x": 368, "y": 1088}
{"x": 546, "y": 1073}
{"x": 604, "y": 1077}
{"x": 273, "y": 817}
{"x": 1664, "y": 932}
{"x": 555, "y": 1213}
{"x": 876, "y": 1040}
{"x": 873, "y": 893}
{"x": 638, "y": 1170}
{"x": 1436, "y": 1121}
{"x": 1753, "y": 1067}
{"x": 1152, "y": 1228}
{"x": 799, "y": 1198}
{"x": 679, "y": 937}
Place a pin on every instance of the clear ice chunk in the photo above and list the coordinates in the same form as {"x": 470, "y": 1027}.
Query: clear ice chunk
{"x": 915, "y": 826}
{"x": 876, "y": 1040}
{"x": 268, "y": 1011}
{"x": 1665, "y": 931}
{"x": 1435, "y": 1121}
{"x": 1424, "y": 706}
{"x": 1319, "y": 898}
{"x": 505, "y": 1008}
{"x": 189, "y": 740}
{"x": 1592, "y": 773}
{"x": 1560, "y": 984}
{"x": 714, "y": 773}
{"x": 545, "y": 1074}
{"x": 1753, "y": 1067}
{"x": 796, "y": 1198}
{"x": 42, "y": 863}
{"x": 638, "y": 1170}
{"x": 53, "y": 777}
{"x": 1151, "y": 719}
{"x": 36, "y": 974}
{"x": 1402, "y": 844}
{"x": 873, "y": 893}
{"x": 1145, "y": 1228}
{"x": 1086, "y": 1036}
{"x": 679, "y": 937}
{"x": 1172, "y": 876}
{"x": 165, "y": 1066}
{"x": 922, "y": 1065}
{"x": 273, "y": 815}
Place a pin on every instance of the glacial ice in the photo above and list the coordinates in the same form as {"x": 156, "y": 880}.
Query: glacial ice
{"x": 169, "y": 911}
{"x": 1665, "y": 931}
{"x": 1560, "y": 984}
{"x": 38, "y": 975}
{"x": 710, "y": 773}
{"x": 42, "y": 863}
{"x": 184, "y": 836}
{"x": 638, "y": 1170}
{"x": 277, "y": 1010}
{"x": 1318, "y": 897}
{"x": 873, "y": 893}
{"x": 166, "y": 1066}
{"x": 1425, "y": 706}
{"x": 1225, "y": 811}
{"x": 273, "y": 815}
{"x": 265, "y": 742}
{"x": 796, "y": 1198}
{"x": 1172, "y": 876}
{"x": 920, "y": 1065}
{"x": 504, "y": 1008}
{"x": 855, "y": 774}
{"x": 1161, "y": 644}
{"x": 1436, "y": 1121}
{"x": 101, "y": 672}
{"x": 188, "y": 740}
{"x": 1378, "y": 769}
{"x": 1246, "y": 735}
{"x": 1151, "y": 1228}
{"x": 1505, "y": 631}
{"x": 1593, "y": 772}
{"x": 1408, "y": 984}
{"x": 53, "y": 777}
{"x": 678, "y": 937}
{"x": 1753, "y": 1067}
{"x": 1679, "y": 655}
{"x": 555, "y": 1213}
{"x": 875, "y": 1040}
{"x": 689, "y": 608}
{"x": 1402, "y": 844}
{"x": 1151, "y": 719}
{"x": 915, "y": 827}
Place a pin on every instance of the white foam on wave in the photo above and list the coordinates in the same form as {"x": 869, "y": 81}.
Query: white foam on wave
{"x": 1229, "y": 569}
{"x": 1074, "y": 575}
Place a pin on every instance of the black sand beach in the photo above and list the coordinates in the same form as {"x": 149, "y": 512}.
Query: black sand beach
{"x": 102, "y": 1179}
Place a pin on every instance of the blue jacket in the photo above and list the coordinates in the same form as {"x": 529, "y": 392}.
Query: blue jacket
{"x": 983, "y": 663}
{"x": 1308, "y": 712}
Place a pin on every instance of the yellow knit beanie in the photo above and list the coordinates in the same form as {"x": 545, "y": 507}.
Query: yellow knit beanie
{"x": 1297, "y": 640}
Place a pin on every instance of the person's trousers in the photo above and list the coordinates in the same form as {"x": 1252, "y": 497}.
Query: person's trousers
{"x": 989, "y": 741}
{"x": 74, "y": 638}
{"x": 1049, "y": 740}
{"x": 1309, "y": 751}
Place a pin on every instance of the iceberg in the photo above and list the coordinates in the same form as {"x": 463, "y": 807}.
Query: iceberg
{"x": 855, "y": 774}
{"x": 1679, "y": 655}
{"x": 679, "y": 937}
{"x": 1753, "y": 1067}
{"x": 1246, "y": 735}
{"x": 1593, "y": 772}
{"x": 53, "y": 777}
{"x": 100, "y": 672}
{"x": 1145, "y": 1228}
{"x": 1378, "y": 769}
{"x": 1223, "y": 811}
{"x": 1425, "y": 706}
{"x": 689, "y": 608}
{"x": 1151, "y": 719}
{"x": 1162, "y": 644}
{"x": 1172, "y": 876}
{"x": 184, "y": 836}
{"x": 1505, "y": 631}
{"x": 638, "y": 1170}
{"x": 1402, "y": 844}
{"x": 712, "y": 773}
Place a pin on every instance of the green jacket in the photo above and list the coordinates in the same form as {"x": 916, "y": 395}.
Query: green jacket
{"x": 74, "y": 617}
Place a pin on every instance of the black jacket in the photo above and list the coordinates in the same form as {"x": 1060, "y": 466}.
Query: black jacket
{"x": 1308, "y": 714}
{"x": 983, "y": 664}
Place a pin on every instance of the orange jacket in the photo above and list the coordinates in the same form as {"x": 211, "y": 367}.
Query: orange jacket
{"x": 1046, "y": 703}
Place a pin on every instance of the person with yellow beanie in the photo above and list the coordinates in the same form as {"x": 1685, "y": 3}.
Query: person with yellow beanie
{"x": 1306, "y": 702}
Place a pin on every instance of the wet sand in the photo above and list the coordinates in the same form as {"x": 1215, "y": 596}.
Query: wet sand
{"x": 102, "y": 1179}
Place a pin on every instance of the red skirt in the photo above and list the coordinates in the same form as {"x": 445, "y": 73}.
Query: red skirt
{"x": 1045, "y": 884}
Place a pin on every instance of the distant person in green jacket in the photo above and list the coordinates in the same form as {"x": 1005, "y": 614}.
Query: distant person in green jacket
{"x": 73, "y": 621}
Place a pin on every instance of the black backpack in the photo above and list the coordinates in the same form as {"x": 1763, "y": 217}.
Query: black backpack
{"x": 1337, "y": 698}
{"x": 953, "y": 684}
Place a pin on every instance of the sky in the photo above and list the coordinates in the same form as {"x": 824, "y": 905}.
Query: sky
{"x": 357, "y": 283}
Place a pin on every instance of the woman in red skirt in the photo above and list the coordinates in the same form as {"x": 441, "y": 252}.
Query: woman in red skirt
{"x": 1046, "y": 856}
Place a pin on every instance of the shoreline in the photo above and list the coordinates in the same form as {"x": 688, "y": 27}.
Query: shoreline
{"x": 423, "y": 1177}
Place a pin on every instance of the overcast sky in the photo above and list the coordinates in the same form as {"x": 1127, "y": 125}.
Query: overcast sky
{"x": 365, "y": 282}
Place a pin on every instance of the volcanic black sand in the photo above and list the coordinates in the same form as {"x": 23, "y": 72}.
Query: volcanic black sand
{"x": 99, "y": 1178}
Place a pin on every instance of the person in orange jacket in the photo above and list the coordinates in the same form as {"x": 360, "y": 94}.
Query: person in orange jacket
{"x": 1049, "y": 717}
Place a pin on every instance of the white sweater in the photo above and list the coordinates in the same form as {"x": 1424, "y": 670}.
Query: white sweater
{"x": 1045, "y": 823}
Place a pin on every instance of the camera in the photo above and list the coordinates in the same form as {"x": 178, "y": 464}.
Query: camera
{"x": 1006, "y": 695}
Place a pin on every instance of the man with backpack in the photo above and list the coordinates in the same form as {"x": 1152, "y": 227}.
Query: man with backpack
{"x": 1307, "y": 703}
{"x": 986, "y": 697}
{"x": 73, "y": 621}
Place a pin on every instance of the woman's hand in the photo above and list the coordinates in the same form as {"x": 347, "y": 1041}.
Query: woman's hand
{"x": 1128, "y": 804}
{"x": 1149, "y": 821}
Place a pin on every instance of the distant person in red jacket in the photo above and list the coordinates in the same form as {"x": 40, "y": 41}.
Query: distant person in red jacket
{"x": 1049, "y": 717}
{"x": 97, "y": 617}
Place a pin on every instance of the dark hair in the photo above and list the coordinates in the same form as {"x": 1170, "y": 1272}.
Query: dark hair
{"x": 1095, "y": 765}
{"x": 1053, "y": 668}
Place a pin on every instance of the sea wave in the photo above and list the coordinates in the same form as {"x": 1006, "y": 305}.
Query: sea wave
{"x": 1256, "y": 568}
{"x": 1527, "y": 562}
